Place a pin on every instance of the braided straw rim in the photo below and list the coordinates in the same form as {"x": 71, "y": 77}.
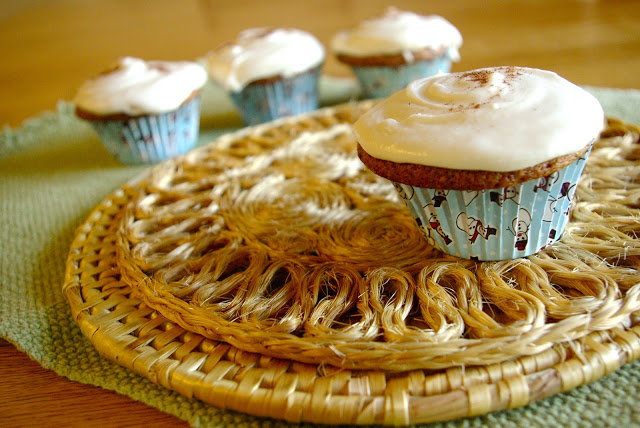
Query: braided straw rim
{"x": 124, "y": 328}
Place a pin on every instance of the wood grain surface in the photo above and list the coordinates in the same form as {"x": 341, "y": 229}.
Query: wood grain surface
{"x": 32, "y": 396}
{"x": 50, "y": 47}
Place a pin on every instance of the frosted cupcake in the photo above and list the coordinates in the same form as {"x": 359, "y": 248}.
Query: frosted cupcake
{"x": 388, "y": 52}
{"x": 269, "y": 73}
{"x": 487, "y": 160}
{"x": 144, "y": 111}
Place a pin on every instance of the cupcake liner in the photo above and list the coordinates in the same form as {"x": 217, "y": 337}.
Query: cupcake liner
{"x": 496, "y": 224}
{"x": 151, "y": 138}
{"x": 265, "y": 101}
{"x": 381, "y": 81}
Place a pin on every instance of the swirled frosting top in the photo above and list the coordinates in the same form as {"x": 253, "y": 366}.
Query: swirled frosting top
{"x": 491, "y": 119}
{"x": 398, "y": 32}
{"x": 260, "y": 53}
{"x": 134, "y": 86}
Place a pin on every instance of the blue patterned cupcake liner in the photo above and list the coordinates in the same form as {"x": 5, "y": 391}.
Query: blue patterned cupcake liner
{"x": 265, "y": 101}
{"x": 381, "y": 81}
{"x": 151, "y": 138}
{"x": 496, "y": 224}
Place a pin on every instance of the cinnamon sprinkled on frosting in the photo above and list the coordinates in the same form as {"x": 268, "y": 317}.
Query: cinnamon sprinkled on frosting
{"x": 133, "y": 86}
{"x": 492, "y": 119}
{"x": 262, "y": 53}
{"x": 398, "y": 32}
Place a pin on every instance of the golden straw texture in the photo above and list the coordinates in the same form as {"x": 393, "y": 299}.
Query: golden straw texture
{"x": 271, "y": 274}
{"x": 279, "y": 241}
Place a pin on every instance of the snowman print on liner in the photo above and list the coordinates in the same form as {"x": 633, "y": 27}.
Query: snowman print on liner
{"x": 495, "y": 224}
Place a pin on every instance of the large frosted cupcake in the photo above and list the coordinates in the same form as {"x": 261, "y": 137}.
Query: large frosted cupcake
{"x": 389, "y": 51}
{"x": 144, "y": 111}
{"x": 487, "y": 160}
{"x": 269, "y": 72}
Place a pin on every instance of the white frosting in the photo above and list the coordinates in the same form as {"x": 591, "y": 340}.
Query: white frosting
{"x": 398, "y": 32}
{"x": 260, "y": 53}
{"x": 492, "y": 119}
{"x": 137, "y": 87}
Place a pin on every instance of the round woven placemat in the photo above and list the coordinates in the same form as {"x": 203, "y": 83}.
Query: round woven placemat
{"x": 270, "y": 273}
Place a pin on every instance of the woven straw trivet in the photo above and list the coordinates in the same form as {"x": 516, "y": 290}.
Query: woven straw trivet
{"x": 271, "y": 274}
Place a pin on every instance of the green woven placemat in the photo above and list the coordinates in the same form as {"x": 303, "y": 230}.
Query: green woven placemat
{"x": 54, "y": 171}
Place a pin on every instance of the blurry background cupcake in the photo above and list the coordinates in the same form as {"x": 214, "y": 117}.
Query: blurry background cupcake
{"x": 144, "y": 111}
{"x": 391, "y": 50}
{"x": 269, "y": 72}
{"x": 487, "y": 161}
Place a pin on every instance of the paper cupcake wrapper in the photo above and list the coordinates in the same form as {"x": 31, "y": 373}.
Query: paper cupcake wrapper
{"x": 262, "y": 102}
{"x": 152, "y": 138}
{"x": 496, "y": 224}
{"x": 381, "y": 81}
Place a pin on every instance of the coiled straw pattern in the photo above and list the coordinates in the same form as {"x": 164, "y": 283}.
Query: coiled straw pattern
{"x": 275, "y": 241}
{"x": 279, "y": 241}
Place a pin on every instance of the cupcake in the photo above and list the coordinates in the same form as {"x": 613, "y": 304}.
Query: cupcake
{"x": 144, "y": 111}
{"x": 388, "y": 52}
{"x": 269, "y": 73}
{"x": 486, "y": 160}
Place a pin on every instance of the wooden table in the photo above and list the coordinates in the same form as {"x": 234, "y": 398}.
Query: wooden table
{"x": 50, "y": 47}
